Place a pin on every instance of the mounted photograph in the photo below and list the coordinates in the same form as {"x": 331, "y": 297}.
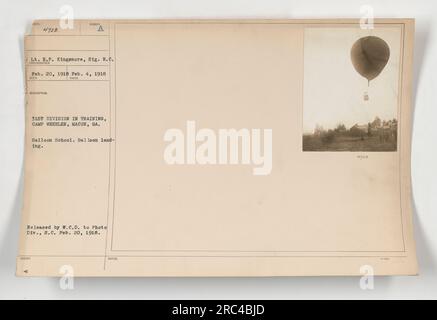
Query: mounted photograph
{"x": 351, "y": 89}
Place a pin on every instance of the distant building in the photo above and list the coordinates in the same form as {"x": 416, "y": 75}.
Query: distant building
{"x": 361, "y": 127}
{"x": 375, "y": 123}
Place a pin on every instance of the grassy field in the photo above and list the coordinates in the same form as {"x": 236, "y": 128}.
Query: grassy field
{"x": 347, "y": 143}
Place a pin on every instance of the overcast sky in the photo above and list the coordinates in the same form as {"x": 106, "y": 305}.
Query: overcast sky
{"x": 333, "y": 90}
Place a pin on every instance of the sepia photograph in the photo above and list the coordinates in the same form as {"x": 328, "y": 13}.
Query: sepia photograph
{"x": 351, "y": 89}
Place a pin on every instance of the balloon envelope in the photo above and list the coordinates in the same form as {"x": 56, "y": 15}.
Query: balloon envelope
{"x": 369, "y": 56}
